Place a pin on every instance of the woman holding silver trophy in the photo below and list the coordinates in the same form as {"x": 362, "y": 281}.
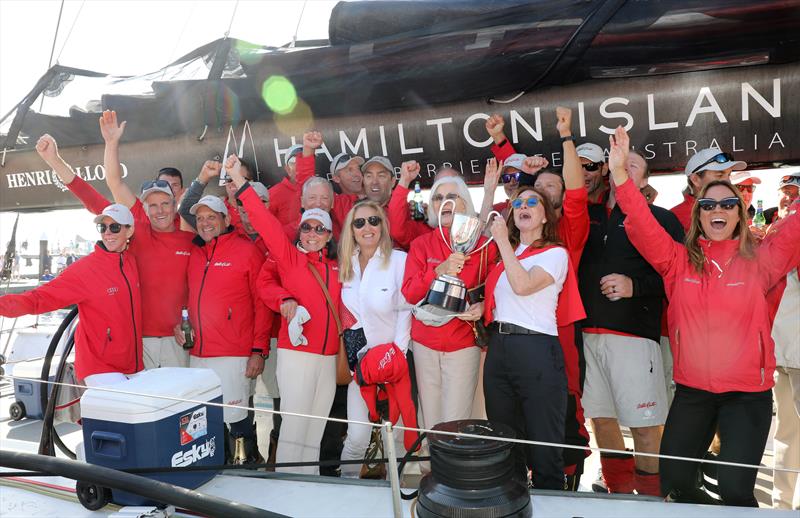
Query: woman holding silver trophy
{"x": 529, "y": 294}
{"x": 441, "y": 278}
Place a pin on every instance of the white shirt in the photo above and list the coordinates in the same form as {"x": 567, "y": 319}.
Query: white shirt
{"x": 538, "y": 310}
{"x": 376, "y": 301}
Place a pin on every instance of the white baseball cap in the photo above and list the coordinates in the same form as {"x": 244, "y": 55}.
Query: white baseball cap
{"x": 591, "y": 152}
{"x": 790, "y": 179}
{"x": 118, "y": 212}
{"x": 740, "y": 176}
{"x": 712, "y": 159}
{"x": 514, "y": 161}
{"x": 210, "y": 201}
{"x": 342, "y": 159}
{"x": 156, "y": 186}
{"x": 293, "y": 152}
{"x": 382, "y": 160}
{"x": 261, "y": 190}
{"x": 319, "y": 215}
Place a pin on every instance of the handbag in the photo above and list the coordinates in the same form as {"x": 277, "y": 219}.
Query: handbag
{"x": 343, "y": 376}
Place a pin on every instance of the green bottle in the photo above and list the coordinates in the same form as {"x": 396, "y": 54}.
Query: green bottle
{"x": 759, "y": 221}
{"x": 186, "y": 327}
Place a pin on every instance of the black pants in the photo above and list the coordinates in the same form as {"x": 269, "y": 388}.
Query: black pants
{"x": 330, "y": 447}
{"x": 743, "y": 418}
{"x": 526, "y": 372}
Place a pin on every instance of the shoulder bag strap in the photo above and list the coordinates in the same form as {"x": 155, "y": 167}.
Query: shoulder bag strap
{"x": 327, "y": 296}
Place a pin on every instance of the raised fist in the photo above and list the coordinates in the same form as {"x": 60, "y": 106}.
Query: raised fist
{"x": 408, "y": 172}
{"x": 47, "y": 148}
{"x": 564, "y": 121}
{"x": 495, "y": 125}
{"x": 534, "y": 164}
{"x": 312, "y": 139}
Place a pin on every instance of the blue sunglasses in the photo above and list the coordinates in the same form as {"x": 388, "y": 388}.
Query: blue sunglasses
{"x": 528, "y": 202}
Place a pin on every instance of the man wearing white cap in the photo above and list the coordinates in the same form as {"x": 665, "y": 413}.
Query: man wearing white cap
{"x": 231, "y": 329}
{"x": 746, "y": 182}
{"x": 595, "y": 171}
{"x": 379, "y": 179}
{"x": 346, "y": 173}
{"x": 704, "y": 167}
{"x": 105, "y": 286}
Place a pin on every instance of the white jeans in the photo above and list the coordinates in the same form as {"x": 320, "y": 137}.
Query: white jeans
{"x": 479, "y": 401}
{"x": 163, "y": 351}
{"x": 269, "y": 376}
{"x": 104, "y": 379}
{"x": 236, "y": 387}
{"x": 358, "y": 435}
{"x": 786, "y": 488}
{"x": 307, "y": 383}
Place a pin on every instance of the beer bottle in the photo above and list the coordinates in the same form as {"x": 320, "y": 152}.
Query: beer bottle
{"x": 186, "y": 327}
{"x": 759, "y": 221}
{"x": 419, "y": 208}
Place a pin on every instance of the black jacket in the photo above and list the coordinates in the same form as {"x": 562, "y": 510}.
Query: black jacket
{"x": 608, "y": 251}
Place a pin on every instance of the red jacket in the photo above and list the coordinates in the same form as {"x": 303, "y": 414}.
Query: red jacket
{"x": 720, "y": 329}
{"x": 402, "y": 229}
{"x": 284, "y": 202}
{"x": 683, "y": 211}
{"x": 425, "y": 254}
{"x": 227, "y": 315}
{"x": 105, "y": 286}
{"x": 161, "y": 257}
{"x": 296, "y": 280}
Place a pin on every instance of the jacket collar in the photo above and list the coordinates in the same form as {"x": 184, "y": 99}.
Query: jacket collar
{"x": 225, "y": 235}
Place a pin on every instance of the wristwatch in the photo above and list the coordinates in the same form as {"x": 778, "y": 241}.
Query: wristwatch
{"x": 264, "y": 355}
{"x": 568, "y": 137}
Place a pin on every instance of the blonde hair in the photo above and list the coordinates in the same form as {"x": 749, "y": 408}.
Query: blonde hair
{"x": 747, "y": 244}
{"x": 347, "y": 240}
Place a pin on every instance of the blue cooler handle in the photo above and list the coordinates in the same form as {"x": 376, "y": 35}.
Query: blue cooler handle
{"x": 107, "y": 444}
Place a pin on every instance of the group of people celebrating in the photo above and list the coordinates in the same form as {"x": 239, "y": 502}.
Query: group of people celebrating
{"x": 597, "y": 303}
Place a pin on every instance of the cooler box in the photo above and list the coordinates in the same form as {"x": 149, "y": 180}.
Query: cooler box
{"x": 29, "y": 393}
{"x": 123, "y": 431}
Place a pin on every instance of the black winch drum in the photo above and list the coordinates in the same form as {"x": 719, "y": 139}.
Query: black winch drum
{"x": 473, "y": 477}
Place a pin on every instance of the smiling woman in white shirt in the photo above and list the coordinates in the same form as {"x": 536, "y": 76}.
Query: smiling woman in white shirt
{"x": 371, "y": 274}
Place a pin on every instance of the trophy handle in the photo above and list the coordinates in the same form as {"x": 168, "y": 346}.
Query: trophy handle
{"x": 441, "y": 207}
{"x": 491, "y": 238}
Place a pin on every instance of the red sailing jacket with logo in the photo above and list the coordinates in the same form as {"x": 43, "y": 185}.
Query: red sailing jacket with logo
{"x": 227, "y": 315}
{"x": 162, "y": 258}
{"x": 720, "y": 326}
{"x": 105, "y": 286}
{"x": 289, "y": 267}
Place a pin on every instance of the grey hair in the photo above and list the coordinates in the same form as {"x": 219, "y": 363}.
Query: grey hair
{"x": 463, "y": 192}
{"x": 316, "y": 180}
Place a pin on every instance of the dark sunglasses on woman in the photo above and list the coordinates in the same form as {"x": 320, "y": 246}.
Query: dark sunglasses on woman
{"x": 373, "y": 221}
{"x": 115, "y": 228}
{"x": 305, "y": 228}
{"x": 709, "y": 204}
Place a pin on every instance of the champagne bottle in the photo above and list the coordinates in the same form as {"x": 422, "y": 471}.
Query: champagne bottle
{"x": 419, "y": 208}
{"x": 186, "y": 327}
{"x": 759, "y": 221}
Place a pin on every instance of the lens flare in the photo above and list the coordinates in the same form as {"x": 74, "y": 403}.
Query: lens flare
{"x": 295, "y": 123}
{"x": 279, "y": 94}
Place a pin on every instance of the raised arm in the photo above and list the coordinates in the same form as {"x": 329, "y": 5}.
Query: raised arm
{"x": 573, "y": 175}
{"x": 66, "y": 289}
{"x": 523, "y": 282}
{"x": 779, "y": 253}
{"x": 112, "y": 133}
{"x": 651, "y": 240}
{"x": 312, "y": 140}
{"x": 491, "y": 177}
{"x": 501, "y": 147}
{"x": 403, "y": 229}
{"x": 86, "y": 194}
{"x": 211, "y": 169}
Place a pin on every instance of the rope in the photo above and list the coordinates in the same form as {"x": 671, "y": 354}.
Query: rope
{"x": 53, "y": 48}
{"x": 58, "y": 58}
{"x": 299, "y": 19}
{"x": 419, "y": 430}
{"x": 233, "y": 15}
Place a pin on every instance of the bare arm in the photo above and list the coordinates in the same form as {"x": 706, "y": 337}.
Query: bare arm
{"x": 523, "y": 282}
{"x": 490, "y": 180}
{"x": 112, "y": 133}
{"x": 48, "y": 150}
{"x": 573, "y": 176}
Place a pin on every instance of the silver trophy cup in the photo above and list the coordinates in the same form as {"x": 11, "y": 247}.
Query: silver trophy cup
{"x": 447, "y": 295}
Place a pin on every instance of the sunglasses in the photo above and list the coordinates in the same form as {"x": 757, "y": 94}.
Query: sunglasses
{"x": 719, "y": 158}
{"x": 709, "y": 204}
{"x": 373, "y": 221}
{"x": 156, "y": 183}
{"x": 305, "y": 228}
{"x": 790, "y": 180}
{"x": 115, "y": 228}
{"x": 746, "y": 188}
{"x": 592, "y": 166}
{"x": 509, "y": 177}
{"x": 439, "y": 197}
{"x": 518, "y": 203}
{"x": 344, "y": 159}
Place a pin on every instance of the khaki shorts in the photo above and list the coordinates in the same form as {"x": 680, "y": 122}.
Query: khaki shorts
{"x": 624, "y": 380}
{"x": 236, "y": 387}
{"x": 163, "y": 351}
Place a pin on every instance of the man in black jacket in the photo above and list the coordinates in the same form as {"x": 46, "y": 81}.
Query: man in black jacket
{"x": 623, "y": 297}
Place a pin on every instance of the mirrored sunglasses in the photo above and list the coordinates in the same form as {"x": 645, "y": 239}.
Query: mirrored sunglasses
{"x": 709, "y": 204}
{"x": 518, "y": 203}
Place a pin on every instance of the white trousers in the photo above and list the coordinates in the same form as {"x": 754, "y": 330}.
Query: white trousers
{"x": 479, "y": 401}
{"x": 786, "y": 486}
{"x": 269, "y": 376}
{"x": 358, "y": 435}
{"x": 104, "y": 379}
{"x": 236, "y": 387}
{"x": 446, "y": 382}
{"x": 307, "y": 384}
{"x": 163, "y": 351}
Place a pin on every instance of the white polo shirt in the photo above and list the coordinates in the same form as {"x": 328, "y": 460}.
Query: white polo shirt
{"x": 538, "y": 310}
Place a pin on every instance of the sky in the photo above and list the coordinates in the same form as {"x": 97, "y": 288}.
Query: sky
{"x": 125, "y": 37}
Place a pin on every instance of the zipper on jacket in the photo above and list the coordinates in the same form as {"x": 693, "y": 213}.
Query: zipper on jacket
{"x": 133, "y": 315}
{"x": 327, "y": 313}
{"x": 761, "y": 356}
{"x": 200, "y": 294}
{"x": 230, "y": 312}
{"x": 108, "y": 339}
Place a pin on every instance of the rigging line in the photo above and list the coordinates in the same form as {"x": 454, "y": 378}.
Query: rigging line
{"x": 299, "y": 19}
{"x": 180, "y": 38}
{"x": 233, "y": 15}
{"x": 53, "y": 48}
{"x": 74, "y": 21}
{"x": 110, "y": 388}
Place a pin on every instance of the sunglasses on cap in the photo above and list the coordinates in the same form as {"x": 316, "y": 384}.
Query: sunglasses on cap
{"x": 518, "y": 203}
{"x": 592, "y": 166}
{"x": 509, "y": 177}
{"x": 305, "y": 228}
{"x": 451, "y": 196}
{"x": 156, "y": 183}
{"x": 115, "y": 228}
{"x": 342, "y": 160}
{"x": 746, "y": 188}
{"x": 719, "y": 158}
{"x": 709, "y": 204}
{"x": 373, "y": 221}
{"x": 790, "y": 180}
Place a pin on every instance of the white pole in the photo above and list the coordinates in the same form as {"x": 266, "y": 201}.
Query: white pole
{"x": 394, "y": 477}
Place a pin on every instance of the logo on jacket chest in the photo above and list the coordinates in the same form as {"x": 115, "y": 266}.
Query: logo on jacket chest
{"x": 183, "y": 252}
{"x": 433, "y": 260}
{"x": 112, "y": 290}
{"x": 223, "y": 264}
